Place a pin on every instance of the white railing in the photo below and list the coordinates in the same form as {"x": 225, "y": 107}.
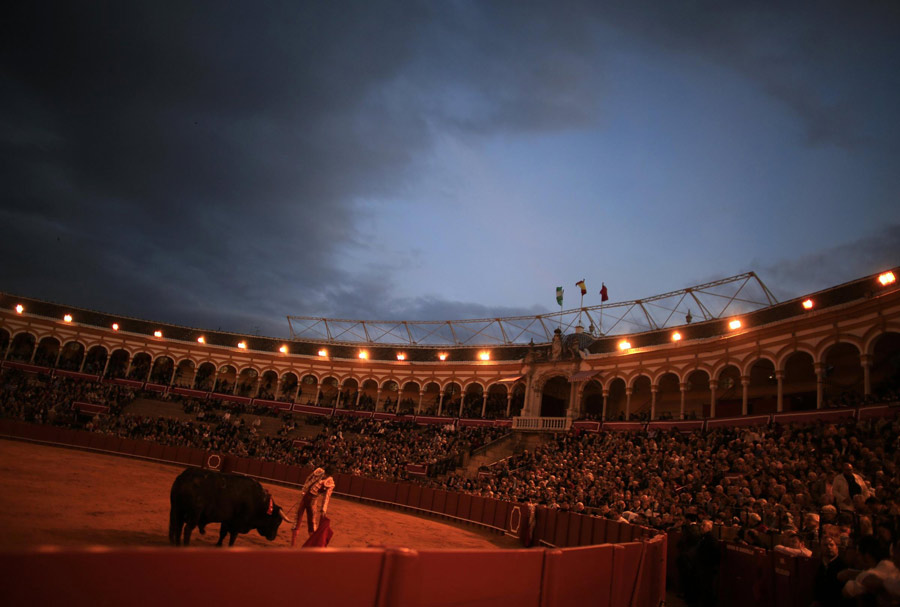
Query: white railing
{"x": 542, "y": 424}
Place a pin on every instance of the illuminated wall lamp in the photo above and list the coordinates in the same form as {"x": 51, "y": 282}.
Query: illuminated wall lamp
{"x": 323, "y": 352}
{"x": 624, "y": 345}
{"x": 157, "y": 334}
{"x": 485, "y": 355}
{"x": 734, "y": 324}
{"x": 676, "y": 336}
{"x": 67, "y": 318}
{"x": 283, "y": 349}
{"x": 808, "y": 304}
{"x": 887, "y": 278}
{"x": 115, "y": 326}
{"x": 19, "y": 308}
{"x": 363, "y": 354}
{"x": 201, "y": 340}
{"x": 242, "y": 345}
{"x": 401, "y": 356}
{"x": 442, "y": 356}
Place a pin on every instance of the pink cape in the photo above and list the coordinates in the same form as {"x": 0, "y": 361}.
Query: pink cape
{"x": 321, "y": 536}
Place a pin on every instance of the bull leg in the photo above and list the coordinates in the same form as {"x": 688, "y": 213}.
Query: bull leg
{"x": 222, "y": 531}
{"x": 188, "y": 528}
{"x": 232, "y": 538}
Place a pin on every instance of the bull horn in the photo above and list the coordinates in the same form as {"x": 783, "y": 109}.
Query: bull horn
{"x": 282, "y": 513}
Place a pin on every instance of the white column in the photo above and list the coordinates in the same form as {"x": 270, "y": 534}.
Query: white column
{"x": 745, "y": 393}
{"x": 779, "y": 377}
{"x": 683, "y": 388}
{"x": 713, "y": 384}
{"x": 653, "y": 391}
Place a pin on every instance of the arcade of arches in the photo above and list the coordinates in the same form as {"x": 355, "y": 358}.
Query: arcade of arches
{"x": 843, "y": 358}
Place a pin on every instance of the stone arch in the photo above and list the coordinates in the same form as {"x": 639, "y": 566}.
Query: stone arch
{"x": 247, "y": 382}
{"x": 47, "y": 352}
{"x": 369, "y": 394}
{"x": 22, "y": 347}
{"x": 762, "y": 392}
{"x": 517, "y": 403}
{"x": 641, "y": 397}
{"x": 140, "y": 366}
{"x": 71, "y": 356}
{"x": 268, "y": 385}
{"x": 884, "y": 373}
{"x": 473, "y": 400}
{"x": 497, "y": 401}
{"x": 696, "y": 394}
{"x": 390, "y": 394}
{"x": 309, "y": 389}
{"x": 617, "y": 400}
{"x": 555, "y": 396}
{"x": 287, "y": 390}
{"x": 95, "y": 360}
{"x": 349, "y": 393}
{"x": 668, "y": 396}
{"x": 799, "y": 382}
{"x": 184, "y": 373}
{"x": 788, "y": 351}
{"x": 162, "y": 370}
{"x": 843, "y": 374}
{"x": 409, "y": 398}
{"x": 431, "y": 395}
{"x": 592, "y": 400}
{"x": 118, "y": 363}
{"x": 226, "y": 379}
{"x": 730, "y": 392}
{"x": 328, "y": 393}
{"x": 452, "y": 395}
{"x": 205, "y": 378}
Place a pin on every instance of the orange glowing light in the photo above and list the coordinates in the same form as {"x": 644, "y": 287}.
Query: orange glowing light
{"x": 283, "y": 349}
{"x": 401, "y": 356}
{"x": 734, "y": 324}
{"x": 201, "y": 340}
{"x": 808, "y": 304}
{"x": 157, "y": 334}
{"x": 676, "y": 336}
{"x": 442, "y": 356}
{"x": 19, "y": 308}
{"x": 624, "y": 345}
{"x": 323, "y": 352}
{"x": 242, "y": 345}
{"x": 887, "y": 279}
{"x": 67, "y": 318}
{"x": 363, "y": 354}
{"x": 115, "y": 326}
{"x": 485, "y": 355}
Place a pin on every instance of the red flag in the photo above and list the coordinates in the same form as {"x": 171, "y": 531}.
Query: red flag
{"x": 603, "y": 294}
{"x": 583, "y": 288}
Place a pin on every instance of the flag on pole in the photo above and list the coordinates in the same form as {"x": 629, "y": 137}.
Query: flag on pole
{"x": 580, "y": 284}
{"x": 559, "y": 295}
{"x": 604, "y": 295}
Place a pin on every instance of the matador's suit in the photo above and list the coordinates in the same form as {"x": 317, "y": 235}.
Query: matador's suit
{"x": 314, "y": 497}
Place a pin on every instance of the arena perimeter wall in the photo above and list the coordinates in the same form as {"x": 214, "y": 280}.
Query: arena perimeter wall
{"x": 585, "y": 560}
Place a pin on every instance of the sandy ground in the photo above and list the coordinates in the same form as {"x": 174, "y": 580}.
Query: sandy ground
{"x": 66, "y": 497}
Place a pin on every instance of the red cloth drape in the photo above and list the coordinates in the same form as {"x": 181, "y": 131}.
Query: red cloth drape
{"x": 322, "y": 536}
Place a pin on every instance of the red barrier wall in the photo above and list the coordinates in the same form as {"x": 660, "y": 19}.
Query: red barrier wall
{"x": 440, "y": 498}
{"x": 474, "y": 578}
{"x": 451, "y": 503}
{"x": 580, "y": 576}
{"x": 162, "y": 576}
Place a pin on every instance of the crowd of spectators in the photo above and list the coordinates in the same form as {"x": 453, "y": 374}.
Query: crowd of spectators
{"x": 816, "y": 488}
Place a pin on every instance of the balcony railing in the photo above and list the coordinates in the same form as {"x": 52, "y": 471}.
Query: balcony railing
{"x": 542, "y": 424}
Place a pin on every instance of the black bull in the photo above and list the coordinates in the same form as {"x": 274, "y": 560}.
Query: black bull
{"x": 240, "y": 503}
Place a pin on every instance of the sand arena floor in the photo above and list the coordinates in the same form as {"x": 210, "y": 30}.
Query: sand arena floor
{"x": 66, "y": 497}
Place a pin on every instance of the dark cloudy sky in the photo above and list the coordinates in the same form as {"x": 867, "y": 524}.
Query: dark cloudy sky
{"x": 227, "y": 164}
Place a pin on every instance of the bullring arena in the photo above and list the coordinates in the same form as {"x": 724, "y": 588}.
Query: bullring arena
{"x": 627, "y": 445}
